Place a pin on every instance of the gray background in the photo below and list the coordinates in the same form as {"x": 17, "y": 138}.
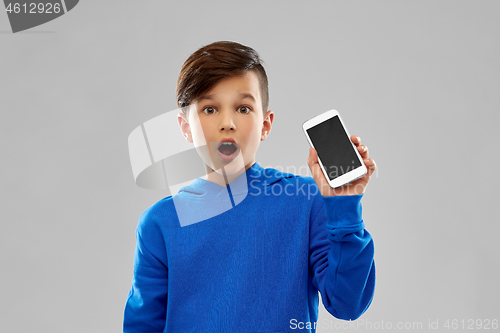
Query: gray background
{"x": 418, "y": 81}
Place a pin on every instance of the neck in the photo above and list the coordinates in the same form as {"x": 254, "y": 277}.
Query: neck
{"x": 222, "y": 177}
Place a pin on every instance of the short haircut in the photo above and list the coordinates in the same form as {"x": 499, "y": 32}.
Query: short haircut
{"x": 210, "y": 64}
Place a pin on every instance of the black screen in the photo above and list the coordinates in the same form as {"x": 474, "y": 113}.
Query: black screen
{"x": 333, "y": 147}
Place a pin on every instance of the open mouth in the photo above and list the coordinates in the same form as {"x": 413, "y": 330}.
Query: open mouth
{"x": 228, "y": 151}
{"x": 227, "y": 148}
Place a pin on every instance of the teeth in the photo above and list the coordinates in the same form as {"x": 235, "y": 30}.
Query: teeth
{"x": 226, "y": 143}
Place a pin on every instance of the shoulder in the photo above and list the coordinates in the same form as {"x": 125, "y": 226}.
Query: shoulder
{"x": 291, "y": 184}
{"x": 294, "y": 189}
{"x": 156, "y": 216}
{"x": 272, "y": 176}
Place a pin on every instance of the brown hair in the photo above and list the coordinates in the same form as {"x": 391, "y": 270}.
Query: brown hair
{"x": 214, "y": 62}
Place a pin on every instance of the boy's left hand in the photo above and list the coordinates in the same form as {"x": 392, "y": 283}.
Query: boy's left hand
{"x": 353, "y": 188}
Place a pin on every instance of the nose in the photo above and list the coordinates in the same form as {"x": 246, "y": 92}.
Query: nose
{"x": 227, "y": 121}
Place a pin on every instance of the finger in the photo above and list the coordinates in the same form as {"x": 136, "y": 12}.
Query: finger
{"x": 370, "y": 166}
{"x": 356, "y": 140}
{"x": 363, "y": 151}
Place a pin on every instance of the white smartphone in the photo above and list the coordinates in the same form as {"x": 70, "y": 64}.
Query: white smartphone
{"x": 338, "y": 157}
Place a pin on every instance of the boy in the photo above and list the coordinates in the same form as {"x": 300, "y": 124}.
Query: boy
{"x": 258, "y": 264}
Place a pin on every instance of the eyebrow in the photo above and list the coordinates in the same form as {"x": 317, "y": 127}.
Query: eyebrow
{"x": 240, "y": 95}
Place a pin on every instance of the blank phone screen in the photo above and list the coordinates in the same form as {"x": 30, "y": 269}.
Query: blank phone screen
{"x": 334, "y": 147}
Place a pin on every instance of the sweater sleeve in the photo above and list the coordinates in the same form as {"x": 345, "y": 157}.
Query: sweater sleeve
{"x": 341, "y": 257}
{"x": 146, "y": 306}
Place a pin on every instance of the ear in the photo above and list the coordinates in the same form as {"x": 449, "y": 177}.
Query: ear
{"x": 185, "y": 127}
{"x": 267, "y": 125}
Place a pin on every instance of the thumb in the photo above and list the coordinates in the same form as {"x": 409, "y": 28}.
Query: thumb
{"x": 312, "y": 161}
{"x": 313, "y": 157}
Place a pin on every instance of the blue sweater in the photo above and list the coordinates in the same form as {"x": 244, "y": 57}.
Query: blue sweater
{"x": 249, "y": 257}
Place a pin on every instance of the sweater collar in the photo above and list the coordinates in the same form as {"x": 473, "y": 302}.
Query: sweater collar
{"x": 254, "y": 177}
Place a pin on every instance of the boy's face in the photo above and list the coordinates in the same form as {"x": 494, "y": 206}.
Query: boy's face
{"x": 231, "y": 110}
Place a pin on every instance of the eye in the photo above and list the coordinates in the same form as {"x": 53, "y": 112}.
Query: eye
{"x": 244, "y": 107}
{"x": 211, "y": 108}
